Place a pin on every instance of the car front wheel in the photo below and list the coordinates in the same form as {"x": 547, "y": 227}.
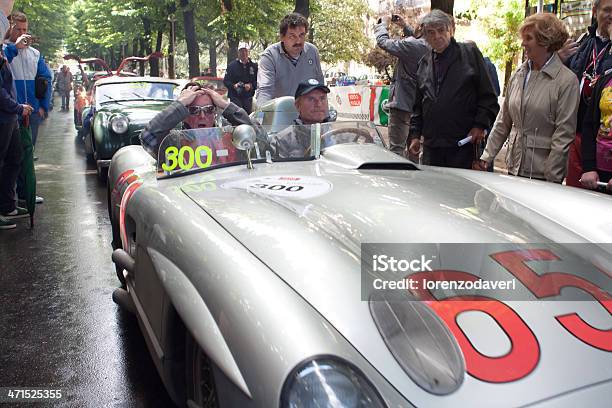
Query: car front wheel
{"x": 200, "y": 382}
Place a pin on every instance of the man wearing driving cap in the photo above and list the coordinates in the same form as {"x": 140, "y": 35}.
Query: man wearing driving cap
{"x": 312, "y": 107}
{"x": 241, "y": 79}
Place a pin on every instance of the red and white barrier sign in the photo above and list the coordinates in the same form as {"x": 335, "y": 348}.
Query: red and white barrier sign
{"x": 359, "y": 102}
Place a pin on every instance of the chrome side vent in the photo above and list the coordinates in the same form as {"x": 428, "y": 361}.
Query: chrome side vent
{"x": 420, "y": 342}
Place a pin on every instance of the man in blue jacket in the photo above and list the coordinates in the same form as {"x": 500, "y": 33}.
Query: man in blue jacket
{"x": 10, "y": 144}
{"x": 27, "y": 63}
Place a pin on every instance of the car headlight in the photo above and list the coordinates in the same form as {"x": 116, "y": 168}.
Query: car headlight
{"x": 327, "y": 382}
{"x": 119, "y": 124}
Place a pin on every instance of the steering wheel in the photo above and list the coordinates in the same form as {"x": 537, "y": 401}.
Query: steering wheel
{"x": 327, "y": 139}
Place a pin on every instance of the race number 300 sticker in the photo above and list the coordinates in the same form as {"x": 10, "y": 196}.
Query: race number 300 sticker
{"x": 294, "y": 187}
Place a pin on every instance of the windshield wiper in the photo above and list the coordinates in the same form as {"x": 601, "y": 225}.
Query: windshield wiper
{"x": 111, "y": 99}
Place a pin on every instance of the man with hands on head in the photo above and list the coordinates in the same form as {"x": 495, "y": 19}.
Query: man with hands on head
{"x": 196, "y": 107}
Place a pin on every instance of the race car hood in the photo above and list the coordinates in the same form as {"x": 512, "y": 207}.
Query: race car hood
{"x": 307, "y": 222}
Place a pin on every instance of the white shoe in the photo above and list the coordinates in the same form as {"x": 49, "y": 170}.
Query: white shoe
{"x": 39, "y": 200}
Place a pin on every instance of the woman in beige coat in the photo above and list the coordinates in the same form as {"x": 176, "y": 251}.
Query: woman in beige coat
{"x": 538, "y": 116}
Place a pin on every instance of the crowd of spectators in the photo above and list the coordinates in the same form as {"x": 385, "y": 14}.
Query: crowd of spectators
{"x": 555, "y": 118}
{"x": 25, "y": 97}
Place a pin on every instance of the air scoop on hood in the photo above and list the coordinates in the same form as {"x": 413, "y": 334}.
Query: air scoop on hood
{"x": 419, "y": 341}
{"x": 366, "y": 157}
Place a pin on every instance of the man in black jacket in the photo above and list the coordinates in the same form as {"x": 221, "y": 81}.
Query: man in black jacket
{"x": 455, "y": 100}
{"x": 241, "y": 79}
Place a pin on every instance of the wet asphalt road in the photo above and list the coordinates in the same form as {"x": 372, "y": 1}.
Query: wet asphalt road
{"x": 59, "y": 327}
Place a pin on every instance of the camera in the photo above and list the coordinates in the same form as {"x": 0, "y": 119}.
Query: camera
{"x": 395, "y": 17}
{"x": 239, "y": 87}
{"x": 32, "y": 40}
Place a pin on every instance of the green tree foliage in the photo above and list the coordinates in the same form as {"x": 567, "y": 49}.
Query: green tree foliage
{"x": 338, "y": 28}
{"x": 501, "y": 20}
{"x": 110, "y": 28}
{"x": 114, "y": 28}
{"x": 252, "y": 21}
{"x": 47, "y": 20}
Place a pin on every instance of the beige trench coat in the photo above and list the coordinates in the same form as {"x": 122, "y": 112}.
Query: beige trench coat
{"x": 539, "y": 122}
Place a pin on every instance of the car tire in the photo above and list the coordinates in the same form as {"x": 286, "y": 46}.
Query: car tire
{"x": 116, "y": 243}
{"x": 200, "y": 385}
{"x": 89, "y": 150}
{"x": 102, "y": 173}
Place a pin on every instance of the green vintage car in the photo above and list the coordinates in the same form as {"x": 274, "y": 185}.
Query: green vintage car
{"x": 121, "y": 107}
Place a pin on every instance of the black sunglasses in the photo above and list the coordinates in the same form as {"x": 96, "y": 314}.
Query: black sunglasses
{"x": 195, "y": 109}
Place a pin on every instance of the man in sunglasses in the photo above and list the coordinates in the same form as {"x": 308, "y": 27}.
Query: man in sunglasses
{"x": 196, "y": 107}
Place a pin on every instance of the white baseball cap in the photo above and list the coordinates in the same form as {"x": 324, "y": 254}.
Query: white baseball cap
{"x": 243, "y": 45}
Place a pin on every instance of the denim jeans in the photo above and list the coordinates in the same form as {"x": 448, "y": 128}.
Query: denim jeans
{"x": 35, "y": 121}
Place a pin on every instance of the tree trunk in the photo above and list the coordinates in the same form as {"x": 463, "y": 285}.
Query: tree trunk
{"x": 212, "y": 56}
{"x": 302, "y": 7}
{"x": 143, "y": 51}
{"x": 112, "y": 61}
{"x": 444, "y": 5}
{"x": 147, "y": 43}
{"x": 232, "y": 39}
{"x": 134, "y": 48}
{"x": 507, "y": 74}
{"x": 190, "y": 38}
{"x": 171, "y": 38}
{"x": 232, "y": 47}
{"x": 154, "y": 62}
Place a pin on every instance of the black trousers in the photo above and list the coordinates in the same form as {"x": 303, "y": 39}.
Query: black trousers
{"x": 245, "y": 103}
{"x": 457, "y": 157}
{"x": 11, "y": 154}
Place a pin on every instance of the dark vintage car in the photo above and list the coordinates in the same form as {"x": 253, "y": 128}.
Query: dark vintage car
{"x": 121, "y": 107}
{"x": 83, "y": 82}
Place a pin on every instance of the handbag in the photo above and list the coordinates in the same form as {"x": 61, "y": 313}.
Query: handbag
{"x": 41, "y": 85}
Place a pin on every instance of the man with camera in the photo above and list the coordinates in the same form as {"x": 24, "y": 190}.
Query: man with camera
{"x": 402, "y": 93}
{"x": 241, "y": 79}
{"x": 31, "y": 74}
{"x": 11, "y": 150}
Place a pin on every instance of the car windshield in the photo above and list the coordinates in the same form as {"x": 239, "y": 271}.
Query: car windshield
{"x": 194, "y": 150}
{"x": 142, "y": 90}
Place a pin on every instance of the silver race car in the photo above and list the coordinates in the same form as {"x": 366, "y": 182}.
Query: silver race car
{"x": 317, "y": 269}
